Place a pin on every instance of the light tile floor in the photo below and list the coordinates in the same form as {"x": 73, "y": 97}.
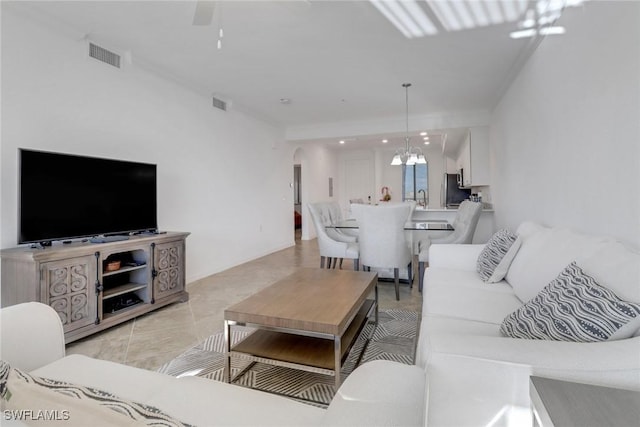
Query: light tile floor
{"x": 151, "y": 340}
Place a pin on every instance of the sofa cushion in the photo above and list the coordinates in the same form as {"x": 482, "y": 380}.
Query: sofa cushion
{"x": 471, "y": 303}
{"x": 433, "y": 325}
{"x": 185, "y": 397}
{"x": 574, "y": 307}
{"x": 494, "y": 260}
{"x": 462, "y": 279}
{"x": 544, "y": 253}
{"x": 52, "y": 400}
{"x": 455, "y": 256}
{"x": 616, "y": 266}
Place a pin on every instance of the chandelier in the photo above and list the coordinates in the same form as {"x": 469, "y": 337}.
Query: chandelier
{"x": 410, "y": 155}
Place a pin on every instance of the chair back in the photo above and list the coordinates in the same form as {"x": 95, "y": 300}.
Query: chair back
{"x": 382, "y": 239}
{"x": 465, "y": 222}
{"x": 327, "y": 213}
{"x": 413, "y": 205}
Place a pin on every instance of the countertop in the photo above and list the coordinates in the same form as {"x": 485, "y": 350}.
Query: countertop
{"x": 421, "y": 209}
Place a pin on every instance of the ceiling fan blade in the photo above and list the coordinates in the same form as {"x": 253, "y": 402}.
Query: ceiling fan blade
{"x": 204, "y": 12}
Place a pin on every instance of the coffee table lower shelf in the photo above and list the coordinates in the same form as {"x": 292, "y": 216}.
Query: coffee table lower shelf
{"x": 295, "y": 349}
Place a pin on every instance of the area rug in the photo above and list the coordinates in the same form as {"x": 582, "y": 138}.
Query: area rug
{"x": 394, "y": 339}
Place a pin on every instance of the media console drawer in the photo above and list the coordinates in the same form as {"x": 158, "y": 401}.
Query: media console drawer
{"x": 93, "y": 286}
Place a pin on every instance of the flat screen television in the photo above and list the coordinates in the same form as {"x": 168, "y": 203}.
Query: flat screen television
{"x": 63, "y": 196}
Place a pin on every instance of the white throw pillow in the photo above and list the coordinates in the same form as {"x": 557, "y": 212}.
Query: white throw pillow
{"x": 574, "y": 307}
{"x": 543, "y": 254}
{"x": 494, "y": 260}
{"x": 618, "y": 267}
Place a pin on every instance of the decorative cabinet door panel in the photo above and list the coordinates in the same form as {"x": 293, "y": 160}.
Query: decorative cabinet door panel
{"x": 69, "y": 287}
{"x": 168, "y": 263}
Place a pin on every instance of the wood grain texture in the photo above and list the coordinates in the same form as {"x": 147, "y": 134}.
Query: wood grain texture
{"x": 65, "y": 276}
{"x": 314, "y": 300}
{"x": 302, "y": 350}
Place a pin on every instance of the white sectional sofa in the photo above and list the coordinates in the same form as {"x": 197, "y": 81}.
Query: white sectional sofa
{"x": 466, "y": 373}
{"x": 471, "y": 365}
{"x": 32, "y": 346}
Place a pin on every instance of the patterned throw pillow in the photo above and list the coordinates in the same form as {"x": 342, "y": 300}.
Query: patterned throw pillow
{"x": 573, "y": 307}
{"x": 494, "y": 260}
{"x": 20, "y": 391}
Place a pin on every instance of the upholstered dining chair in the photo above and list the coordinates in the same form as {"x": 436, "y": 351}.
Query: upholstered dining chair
{"x": 409, "y": 234}
{"x": 332, "y": 244}
{"x": 464, "y": 226}
{"x": 382, "y": 238}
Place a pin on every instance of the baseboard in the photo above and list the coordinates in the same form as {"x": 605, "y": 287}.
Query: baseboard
{"x": 197, "y": 277}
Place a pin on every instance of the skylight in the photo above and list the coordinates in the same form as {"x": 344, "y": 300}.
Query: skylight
{"x": 419, "y": 18}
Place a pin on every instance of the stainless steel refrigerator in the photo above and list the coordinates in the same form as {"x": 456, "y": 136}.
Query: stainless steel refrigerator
{"x": 451, "y": 194}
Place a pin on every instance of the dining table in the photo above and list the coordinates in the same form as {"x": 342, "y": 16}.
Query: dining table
{"x": 419, "y": 227}
{"x": 409, "y": 225}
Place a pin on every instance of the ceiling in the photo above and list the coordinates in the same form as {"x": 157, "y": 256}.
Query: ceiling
{"x": 335, "y": 61}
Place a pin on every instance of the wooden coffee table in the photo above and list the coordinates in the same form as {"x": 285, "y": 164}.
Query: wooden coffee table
{"x": 308, "y": 320}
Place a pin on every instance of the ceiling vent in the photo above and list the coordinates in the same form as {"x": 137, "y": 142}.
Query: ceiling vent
{"x": 220, "y": 104}
{"x": 104, "y": 55}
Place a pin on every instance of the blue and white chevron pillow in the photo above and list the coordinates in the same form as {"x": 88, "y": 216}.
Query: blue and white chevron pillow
{"x": 495, "y": 258}
{"x": 573, "y": 307}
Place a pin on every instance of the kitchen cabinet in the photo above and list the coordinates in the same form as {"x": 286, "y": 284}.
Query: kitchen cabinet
{"x": 473, "y": 158}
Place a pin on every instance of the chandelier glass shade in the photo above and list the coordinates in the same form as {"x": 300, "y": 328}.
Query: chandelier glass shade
{"x": 409, "y": 155}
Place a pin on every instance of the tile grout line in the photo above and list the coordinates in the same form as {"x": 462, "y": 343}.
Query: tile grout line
{"x": 126, "y": 351}
{"x": 193, "y": 320}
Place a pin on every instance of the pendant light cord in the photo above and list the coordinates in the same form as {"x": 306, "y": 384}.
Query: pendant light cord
{"x": 406, "y": 138}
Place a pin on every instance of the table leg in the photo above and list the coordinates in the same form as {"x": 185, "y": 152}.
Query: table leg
{"x": 227, "y": 351}
{"x": 338, "y": 359}
{"x": 376, "y": 287}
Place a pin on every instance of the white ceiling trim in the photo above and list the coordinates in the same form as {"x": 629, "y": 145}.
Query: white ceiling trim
{"x": 388, "y": 125}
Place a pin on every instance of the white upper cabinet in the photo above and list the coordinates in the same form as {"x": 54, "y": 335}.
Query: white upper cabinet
{"x": 473, "y": 157}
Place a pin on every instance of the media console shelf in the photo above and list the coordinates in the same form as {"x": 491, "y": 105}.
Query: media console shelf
{"x": 93, "y": 286}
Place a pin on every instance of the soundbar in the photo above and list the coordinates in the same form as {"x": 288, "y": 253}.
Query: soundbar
{"x": 107, "y": 239}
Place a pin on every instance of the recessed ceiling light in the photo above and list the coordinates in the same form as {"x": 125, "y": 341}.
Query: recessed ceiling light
{"x": 341, "y": 141}
{"x": 426, "y": 138}
{"x": 384, "y": 141}
{"x": 423, "y": 134}
{"x": 426, "y": 142}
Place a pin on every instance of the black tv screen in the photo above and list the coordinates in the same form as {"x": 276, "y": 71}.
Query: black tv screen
{"x": 65, "y": 196}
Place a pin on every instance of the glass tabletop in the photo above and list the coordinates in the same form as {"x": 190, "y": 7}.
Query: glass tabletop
{"x": 410, "y": 225}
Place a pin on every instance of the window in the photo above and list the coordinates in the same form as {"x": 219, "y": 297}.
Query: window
{"x": 415, "y": 182}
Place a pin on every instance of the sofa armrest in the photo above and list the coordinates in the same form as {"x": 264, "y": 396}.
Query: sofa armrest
{"x": 380, "y": 393}
{"x": 454, "y": 256}
{"x": 31, "y": 335}
{"x": 607, "y": 363}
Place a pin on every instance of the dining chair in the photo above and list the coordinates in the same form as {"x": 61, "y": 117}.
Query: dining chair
{"x": 333, "y": 245}
{"x": 409, "y": 234}
{"x": 382, "y": 238}
{"x": 464, "y": 226}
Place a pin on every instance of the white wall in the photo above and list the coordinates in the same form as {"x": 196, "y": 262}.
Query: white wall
{"x": 55, "y": 98}
{"x": 566, "y": 136}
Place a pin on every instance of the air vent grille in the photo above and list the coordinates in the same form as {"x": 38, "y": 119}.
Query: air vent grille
{"x": 219, "y": 103}
{"x": 104, "y": 55}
